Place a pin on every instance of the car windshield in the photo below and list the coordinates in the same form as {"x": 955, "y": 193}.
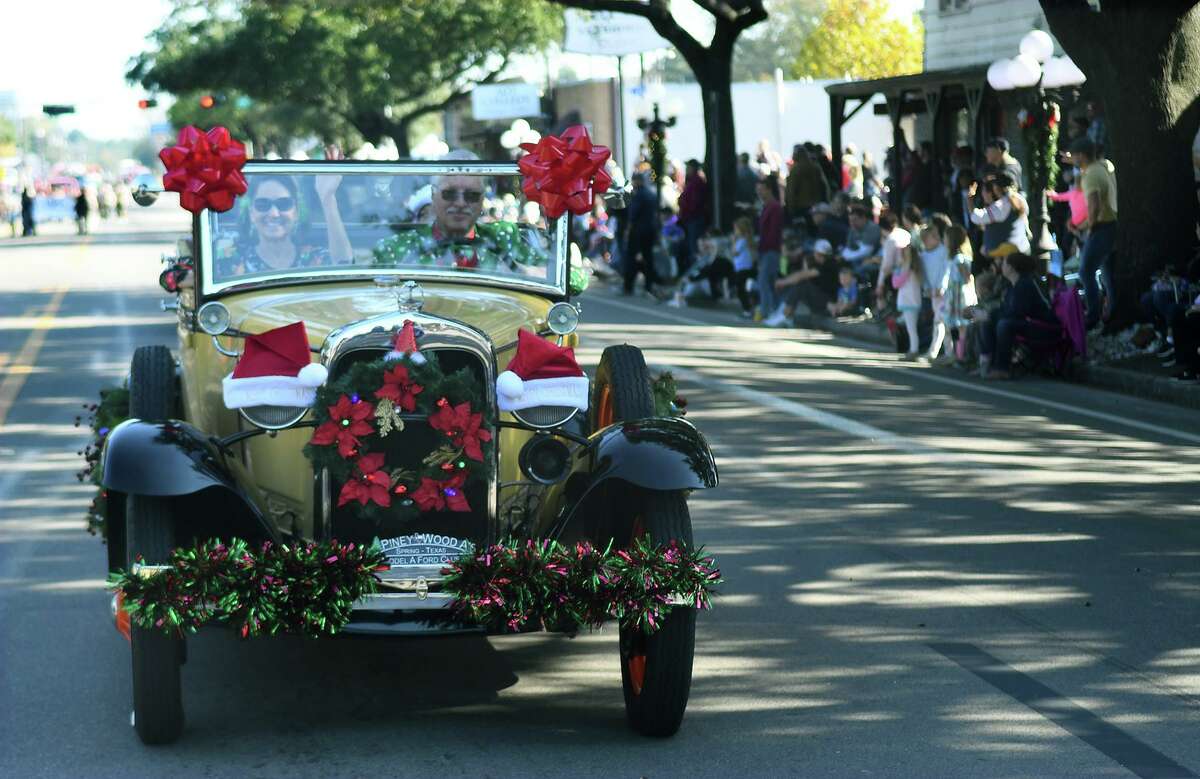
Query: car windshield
{"x": 304, "y": 220}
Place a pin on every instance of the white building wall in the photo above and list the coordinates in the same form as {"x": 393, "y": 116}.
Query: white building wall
{"x": 980, "y": 33}
{"x": 761, "y": 111}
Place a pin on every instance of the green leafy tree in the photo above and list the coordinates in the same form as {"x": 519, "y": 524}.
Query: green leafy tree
{"x": 1143, "y": 61}
{"x": 859, "y": 39}
{"x": 712, "y": 67}
{"x": 375, "y": 65}
{"x": 764, "y": 47}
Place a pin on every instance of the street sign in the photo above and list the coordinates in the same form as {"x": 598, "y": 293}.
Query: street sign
{"x": 55, "y": 110}
{"x": 505, "y": 101}
{"x": 610, "y": 34}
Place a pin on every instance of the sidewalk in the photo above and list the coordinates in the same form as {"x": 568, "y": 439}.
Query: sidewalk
{"x": 1141, "y": 375}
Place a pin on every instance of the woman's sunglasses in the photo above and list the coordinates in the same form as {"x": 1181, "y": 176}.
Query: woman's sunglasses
{"x": 281, "y": 204}
{"x": 468, "y": 195}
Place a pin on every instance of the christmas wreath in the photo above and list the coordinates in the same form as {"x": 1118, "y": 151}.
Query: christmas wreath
{"x": 357, "y": 414}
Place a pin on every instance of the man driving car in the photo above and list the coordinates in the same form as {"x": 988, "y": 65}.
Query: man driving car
{"x": 457, "y": 238}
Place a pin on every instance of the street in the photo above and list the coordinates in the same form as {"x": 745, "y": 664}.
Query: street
{"x": 927, "y": 575}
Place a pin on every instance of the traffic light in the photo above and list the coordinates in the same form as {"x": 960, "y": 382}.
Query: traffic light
{"x": 55, "y": 110}
{"x": 145, "y": 103}
{"x": 207, "y": 101}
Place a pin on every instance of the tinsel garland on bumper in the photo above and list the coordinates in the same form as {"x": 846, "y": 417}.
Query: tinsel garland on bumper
{"x": 310, "y": 589}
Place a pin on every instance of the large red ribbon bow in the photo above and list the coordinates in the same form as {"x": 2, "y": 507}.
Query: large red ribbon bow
{"x": 564, "y": 173}
{"x": 205, "y": 169}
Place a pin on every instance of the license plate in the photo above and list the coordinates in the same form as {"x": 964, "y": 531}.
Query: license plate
{"x": 424, "y": 549}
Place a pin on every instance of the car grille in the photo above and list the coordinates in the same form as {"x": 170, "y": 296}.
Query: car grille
{"x": 407, "y": 449}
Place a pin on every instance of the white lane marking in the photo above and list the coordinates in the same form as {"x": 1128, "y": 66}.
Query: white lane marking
{"x": 930, "y": 376}
{"x": 808, "y": 413}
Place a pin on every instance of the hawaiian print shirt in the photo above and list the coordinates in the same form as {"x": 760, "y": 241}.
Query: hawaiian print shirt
{"x": 247, "y": 261}
{"x": 489, "y": 245}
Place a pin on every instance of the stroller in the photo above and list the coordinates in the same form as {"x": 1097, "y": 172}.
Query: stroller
{"x": 1053, "y": 353}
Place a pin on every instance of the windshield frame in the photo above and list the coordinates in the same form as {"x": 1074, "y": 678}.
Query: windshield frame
{"x": 210, "y": 288}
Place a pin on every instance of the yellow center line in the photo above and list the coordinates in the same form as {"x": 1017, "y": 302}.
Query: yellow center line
{"x": 23, "y": 364}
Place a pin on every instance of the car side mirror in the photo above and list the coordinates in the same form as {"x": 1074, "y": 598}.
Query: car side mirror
{"x": 144, "y": 196}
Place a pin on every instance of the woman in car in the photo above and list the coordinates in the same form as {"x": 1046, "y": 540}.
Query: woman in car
{"x": 273, "y": 237}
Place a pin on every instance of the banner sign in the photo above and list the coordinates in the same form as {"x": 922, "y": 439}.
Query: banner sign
{"x": 505, "y": 101}
{"x": 610, "y": 34}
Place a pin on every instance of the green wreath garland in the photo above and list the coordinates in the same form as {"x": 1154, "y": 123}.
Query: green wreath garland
{"x": 102, "y": 417}
{"x": 357, "y": 415}
{"x": 311, "y": 588}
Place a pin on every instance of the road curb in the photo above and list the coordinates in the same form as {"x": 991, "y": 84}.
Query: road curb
{"x": 1101, "y": 376}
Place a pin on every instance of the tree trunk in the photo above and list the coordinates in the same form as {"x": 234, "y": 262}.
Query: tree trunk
{"x": 1143, "y": 62}
{"x": 720, "y": 148}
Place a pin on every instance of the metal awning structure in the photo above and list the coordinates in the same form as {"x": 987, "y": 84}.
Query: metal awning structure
{"x": 929, "y": 93}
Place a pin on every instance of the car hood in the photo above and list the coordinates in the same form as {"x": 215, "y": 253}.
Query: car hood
{"x": 497, "y": 313}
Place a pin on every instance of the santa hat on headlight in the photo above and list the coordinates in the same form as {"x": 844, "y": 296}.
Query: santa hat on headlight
{"x": 541, "y": 374}
{"x": 275, "y": 369}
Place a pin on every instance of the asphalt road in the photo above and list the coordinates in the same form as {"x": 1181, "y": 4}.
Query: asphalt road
{"x": 927, "y": 577}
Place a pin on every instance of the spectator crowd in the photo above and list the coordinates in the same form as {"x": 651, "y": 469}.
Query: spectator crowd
{"x": 956, "y": 285}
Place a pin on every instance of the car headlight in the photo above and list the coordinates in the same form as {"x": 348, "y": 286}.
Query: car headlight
{"x": 272, "y": 417}
{"x": 213, "y": 318}
{"x": 545, "y": 460}
{"x": 562, "y": 318}
{"x": 545, "y": 417}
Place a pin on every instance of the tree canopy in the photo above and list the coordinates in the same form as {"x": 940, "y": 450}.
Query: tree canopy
{"x": 373, "y": 65}
{"x": 860, "y": 39}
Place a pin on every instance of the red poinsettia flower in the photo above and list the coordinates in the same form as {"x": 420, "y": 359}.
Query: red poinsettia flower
{"x": 368, "y": 482}
{"x": 444, "y": 495}
{"x": 400, "y": 389}
{"x": 463, "y": 428}
{"x": 347, "y": 421}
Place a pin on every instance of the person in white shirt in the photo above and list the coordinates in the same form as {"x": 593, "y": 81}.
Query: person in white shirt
{"x": 895, "y": 240}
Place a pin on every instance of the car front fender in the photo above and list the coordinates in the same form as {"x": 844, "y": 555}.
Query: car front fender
{"x": 657, "y": 453}
{"x": 169, "y": 459}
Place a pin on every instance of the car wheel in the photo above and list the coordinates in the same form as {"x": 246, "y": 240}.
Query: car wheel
{"x": 152, "y": 392}
{"x": 656, "y": 669}
{"x": 150, "y": 533}
{"x": 621, "y": 390}
{"x": 157, "y": 693}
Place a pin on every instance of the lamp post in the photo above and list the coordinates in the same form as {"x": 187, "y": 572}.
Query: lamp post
{"x": 656, "y": 143}
{"x": 1038, "y": 69}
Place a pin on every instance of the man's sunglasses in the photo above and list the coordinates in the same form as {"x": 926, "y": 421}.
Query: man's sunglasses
{"x": 468, "y": 195}
{"x": 263, "y": 204}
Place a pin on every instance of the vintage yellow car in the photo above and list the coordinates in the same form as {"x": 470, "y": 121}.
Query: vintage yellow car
{"x": 355, "y": 251}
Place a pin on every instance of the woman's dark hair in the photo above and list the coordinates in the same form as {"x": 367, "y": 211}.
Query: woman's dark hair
{"x": 941, "y": 222}
{"x": 913, "y": 213}
{"x": 887, "y": 221}
{"x": 287, "y": 182}
{"x": 1021, "y": 263}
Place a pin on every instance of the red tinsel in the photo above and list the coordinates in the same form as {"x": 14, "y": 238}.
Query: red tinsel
{"x": 564, "y": 173}
{"x": 205, "y": 169}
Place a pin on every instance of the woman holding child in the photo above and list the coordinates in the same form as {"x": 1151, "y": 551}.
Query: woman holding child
{"x": 1025, "y": 312}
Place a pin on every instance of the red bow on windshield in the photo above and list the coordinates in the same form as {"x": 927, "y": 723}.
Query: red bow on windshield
{"x": 205, "y": 169}
{"x": 564, "y": 173}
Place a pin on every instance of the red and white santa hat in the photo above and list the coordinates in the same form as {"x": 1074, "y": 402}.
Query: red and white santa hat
{"x": 541, "y": 374}
{"x": 275, "y": 369}
{"x": 405, "y": 345}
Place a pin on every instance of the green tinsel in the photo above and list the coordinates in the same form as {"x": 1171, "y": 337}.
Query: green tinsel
{"x": 310, "y": 589}
{"x": 517, "y": 584}
{"x": 112, "y": 410}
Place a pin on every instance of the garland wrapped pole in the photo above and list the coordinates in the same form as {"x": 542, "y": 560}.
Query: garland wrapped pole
{"x": 310, "y": 589}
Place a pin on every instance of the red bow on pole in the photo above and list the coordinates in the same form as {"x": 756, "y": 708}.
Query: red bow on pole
{"x": 205, "y": 169}
{"x": 564, "y": 173}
